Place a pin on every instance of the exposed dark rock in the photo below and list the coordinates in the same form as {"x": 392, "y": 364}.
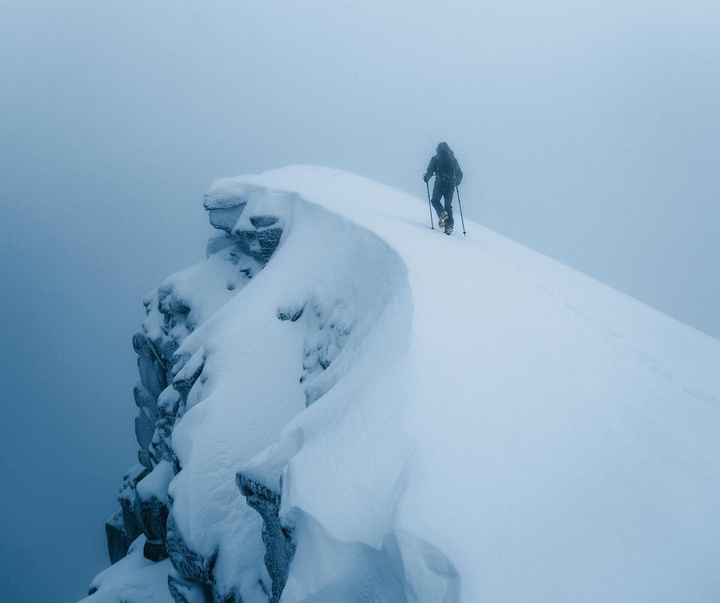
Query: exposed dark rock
{"x": 145, "y": 458}
{"x": 188, "y": 591}
{"x": 124, "y": 526}
{"x": 171, "y": 345}
{"x": 153, "y": 515}
{"x": 145, "y": 422}
{"x": 184, "y": 384}
{"x": 155, "y": 551}
{"x": 269, "y": 240}
{"x": 119, "y": 538}
{"x": 291, "y": 313}
{"x": 169, "y": 404}
{"x": 152, "y": 371}
{"x": 144, "y": 430}
{"x": 161, "y": 449}
{"x": 143, "y": 398}
{"x": 248, "y": 243}
{"x": 260, "y": 221}
{"x": 225, "y": 218}
{"x": 169, "y": 304}
{"x": 278, "y": 539}
{"x": 220, "y": 597}
{"x": 127, "y": 499}
{"x": 190, "y": 565}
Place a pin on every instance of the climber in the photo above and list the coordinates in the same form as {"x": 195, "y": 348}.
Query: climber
{"x": 448, "y": 175}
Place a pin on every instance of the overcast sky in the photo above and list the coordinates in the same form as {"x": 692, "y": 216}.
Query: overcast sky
{"x": 588, "y": 131}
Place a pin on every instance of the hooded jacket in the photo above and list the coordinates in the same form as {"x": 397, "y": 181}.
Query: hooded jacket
{"x": 444, "y": 166}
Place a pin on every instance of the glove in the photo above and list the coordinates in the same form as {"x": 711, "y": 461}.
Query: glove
{"x": 426, "y": 178}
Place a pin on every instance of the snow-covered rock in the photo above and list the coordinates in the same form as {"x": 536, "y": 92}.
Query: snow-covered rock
{"x": 341, "y": 404}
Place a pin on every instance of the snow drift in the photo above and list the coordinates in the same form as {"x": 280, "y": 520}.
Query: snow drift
{"x": 341, "y": 404}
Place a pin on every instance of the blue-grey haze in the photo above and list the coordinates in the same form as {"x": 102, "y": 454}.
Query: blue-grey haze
{"x": 588, "y": 131}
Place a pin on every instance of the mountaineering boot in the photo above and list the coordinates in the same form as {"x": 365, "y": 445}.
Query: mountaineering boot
{"x": 448, "y": 229}
{"x": 443, "y": 219}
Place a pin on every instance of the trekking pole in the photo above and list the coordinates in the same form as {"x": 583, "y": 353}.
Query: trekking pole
{"x": 461, "y": 214}
{"x": 429, "y": 206}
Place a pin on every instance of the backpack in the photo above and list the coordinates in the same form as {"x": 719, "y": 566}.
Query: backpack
{"x": 445, "y": 167}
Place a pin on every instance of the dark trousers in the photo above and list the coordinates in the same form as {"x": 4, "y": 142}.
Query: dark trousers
{"x": 443, "y": 190}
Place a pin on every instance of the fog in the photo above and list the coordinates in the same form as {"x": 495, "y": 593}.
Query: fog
{"x": 586, "y": 131}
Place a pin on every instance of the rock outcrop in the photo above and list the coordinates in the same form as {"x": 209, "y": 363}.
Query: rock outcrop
{"x": 166, "y": 380}
{"x": 277, "y": 538}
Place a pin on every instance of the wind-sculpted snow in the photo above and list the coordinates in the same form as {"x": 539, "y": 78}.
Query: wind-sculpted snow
{"x": 231, "y": 350}
{"x": 342, "y": 404}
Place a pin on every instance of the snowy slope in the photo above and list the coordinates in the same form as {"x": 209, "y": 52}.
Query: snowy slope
{"x": 421, "y": 417}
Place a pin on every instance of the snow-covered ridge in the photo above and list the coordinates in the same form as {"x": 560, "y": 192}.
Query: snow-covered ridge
{"x": 222, "y": 373}
{"x": 341, "y": 404}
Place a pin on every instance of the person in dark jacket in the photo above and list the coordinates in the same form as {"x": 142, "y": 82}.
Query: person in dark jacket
{"x": 448, "y": 175}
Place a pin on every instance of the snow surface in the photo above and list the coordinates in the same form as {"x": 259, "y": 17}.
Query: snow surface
{"x": 133, "y": 579}
{"x": 483, "y": 423}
